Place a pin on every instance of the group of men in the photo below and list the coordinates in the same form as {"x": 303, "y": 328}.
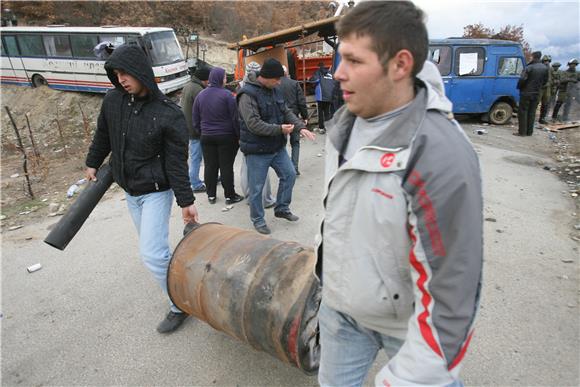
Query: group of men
{"x": 401, "y": 243}
{"x": 543, "y": 84}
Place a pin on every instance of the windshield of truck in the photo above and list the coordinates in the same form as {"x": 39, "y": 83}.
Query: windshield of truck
{"x": 163, "y": 48}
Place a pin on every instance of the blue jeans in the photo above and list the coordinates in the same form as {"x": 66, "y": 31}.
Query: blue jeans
{"x": 150, "y": 215}
{"x": 348, "y": 350}
{"x": 258, "y": 166}
{"x": 194, "y": 163}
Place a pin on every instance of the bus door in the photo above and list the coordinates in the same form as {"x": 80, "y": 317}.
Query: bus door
{"x": 63, "y": 67}
{"x": 466, "y": 88}
{"x": 13, "y": 71}
{"x": 89, "y": 69}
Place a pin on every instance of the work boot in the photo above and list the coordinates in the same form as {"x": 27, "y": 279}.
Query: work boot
{"x": 286, "y": 215}
{"x": 235, "y": 199}
{"x": 171, "y": 322}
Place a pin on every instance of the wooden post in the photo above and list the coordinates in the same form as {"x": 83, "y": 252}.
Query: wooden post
{"x": 34, "y": 148}
{"x": 21, "y": 147}
{"x": 60, "y": 132}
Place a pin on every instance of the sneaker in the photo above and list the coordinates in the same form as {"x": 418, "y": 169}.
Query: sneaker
{"x": 171, "y": 322}
{"x": 322, "y": 131}
{"x": 286, "y": 215}
{"x": 235, "y": 199}
{"x": 543, "y": 122}
{"x": 263, "y": 229}
{"x": 297, "y": 173}
{"x": 202, "y": 188}
{"x": 211, "y": 199}
{"x": 270, "y": 205}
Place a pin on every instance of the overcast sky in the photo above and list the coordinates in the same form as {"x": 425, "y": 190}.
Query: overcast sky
{"x": 549, "y": 26}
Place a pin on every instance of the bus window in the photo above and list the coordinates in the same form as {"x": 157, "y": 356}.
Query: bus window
{"x": 57, "y": 45}
{"x": 115, "y": 39}
{"x": 10, "y": 46}
{"x": 510, "y": 66}
{"x": 83, "y": 45}
{"x": 31, "y": 45}
{"x": 163, "y": 48}
{"x": 441, "y": 56}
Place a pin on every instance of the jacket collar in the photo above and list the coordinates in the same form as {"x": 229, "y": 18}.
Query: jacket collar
{"x": 400, "y": 133}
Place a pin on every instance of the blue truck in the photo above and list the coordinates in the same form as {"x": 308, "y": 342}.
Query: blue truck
{"x": 480, "y": 75}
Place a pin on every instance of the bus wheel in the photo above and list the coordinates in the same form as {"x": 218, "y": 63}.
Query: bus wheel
{"x": 38, "y": 80}
{"x": 500, "y": 113}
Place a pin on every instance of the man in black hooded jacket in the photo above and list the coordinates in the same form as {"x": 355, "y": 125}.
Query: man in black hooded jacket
{"x": 146, "y": 135}
{"x": 532, "y": 79}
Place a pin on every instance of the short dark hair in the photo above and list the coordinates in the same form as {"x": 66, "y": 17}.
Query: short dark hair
{"x": 537, "y": 55}
{"x": 392, "y": 26}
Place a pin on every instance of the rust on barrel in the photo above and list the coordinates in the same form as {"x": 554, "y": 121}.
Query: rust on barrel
{"x": 255, "y": 288}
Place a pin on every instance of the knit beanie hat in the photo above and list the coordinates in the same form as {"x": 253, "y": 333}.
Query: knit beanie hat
{"x": 202, "y": 73}
{"x": 253, "y": 67}
{"x": 272, "y": 69}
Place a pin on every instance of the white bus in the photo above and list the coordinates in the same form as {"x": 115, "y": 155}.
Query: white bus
{"x": 63, "y": 57}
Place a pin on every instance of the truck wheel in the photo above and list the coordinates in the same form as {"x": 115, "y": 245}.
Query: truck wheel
{"x": 38, "y": 80}
{"x": 500, "y": 113}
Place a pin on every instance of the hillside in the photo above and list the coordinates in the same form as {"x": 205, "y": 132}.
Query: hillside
{"x": 227, "y": 19}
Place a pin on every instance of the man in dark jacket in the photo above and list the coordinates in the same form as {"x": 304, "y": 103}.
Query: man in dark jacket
{"x": 324, "y": 94}
{"x": 265, "y": 122}
{"x": 190, "y": 91}
{"x": 146, "y": 135}
{"x": 296, "y": 102}
{"x": 531, "y": 81}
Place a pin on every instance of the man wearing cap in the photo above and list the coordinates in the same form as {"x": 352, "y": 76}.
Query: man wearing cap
{"x": 572, "y": 88}
{"x": 190, "y": 91}
{"x": 531, "y": 81}
{"x": 555, "y": 83}
{"x": 545, "y": 91}
{"x": 265, "y": 123}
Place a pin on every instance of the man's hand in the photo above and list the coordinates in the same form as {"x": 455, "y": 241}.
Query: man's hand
{"x": 287, "y": 128}
{"x": 308, "y": 134}
{"x": 91, "y": 174}
{"x": 189, "y": 214}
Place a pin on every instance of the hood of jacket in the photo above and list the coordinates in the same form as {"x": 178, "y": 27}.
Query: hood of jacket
{"x": 429, "y": 96}
{"x": 252, "y": 79}
{"x": 216, "y": 77}
{"x": 132, "y": 59}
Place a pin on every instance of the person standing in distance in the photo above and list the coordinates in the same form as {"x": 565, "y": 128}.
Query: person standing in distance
{"x": 265, "y": 123}
{"x": 401, "y": 247}
{"x": 146, "y": 135}
{"x": 295, "y": 100}
{"x": 531, "y": 81}
{"x": 198, "y": 82}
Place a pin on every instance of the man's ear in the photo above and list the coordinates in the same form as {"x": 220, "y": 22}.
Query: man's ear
{"x": 401, "y": 65}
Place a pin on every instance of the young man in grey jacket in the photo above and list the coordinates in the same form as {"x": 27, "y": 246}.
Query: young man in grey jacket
{"x": 401, "y": 250}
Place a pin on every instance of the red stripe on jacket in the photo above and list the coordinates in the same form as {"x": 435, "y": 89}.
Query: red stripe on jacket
{"x": 430, "y": 218}
{"x": 426, "y": 298}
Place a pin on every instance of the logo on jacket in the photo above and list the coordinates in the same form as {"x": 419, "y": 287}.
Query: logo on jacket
{"x": 387, "y": 160}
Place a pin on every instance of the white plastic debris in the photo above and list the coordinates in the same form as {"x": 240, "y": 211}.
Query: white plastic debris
{"x": 33, "y": 268}
{"x": 227, "y": 208}
{"x": 72, "y": 190}
{"x": 15, "y": 175}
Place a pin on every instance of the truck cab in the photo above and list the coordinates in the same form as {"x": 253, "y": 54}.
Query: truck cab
{"x": 480, "y": 75}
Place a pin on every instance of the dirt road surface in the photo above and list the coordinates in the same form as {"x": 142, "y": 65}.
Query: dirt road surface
{"x": 88, "y": 317}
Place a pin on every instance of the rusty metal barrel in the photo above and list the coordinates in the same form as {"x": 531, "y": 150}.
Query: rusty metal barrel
{"x": 257, "y": 289}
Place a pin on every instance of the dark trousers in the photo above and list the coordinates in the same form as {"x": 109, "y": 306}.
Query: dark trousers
{"x": 219, "y": 153}
{"x": 324, "y": 113}
{"x": 295, "y": 145}
{"x": 527, "y": 114}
